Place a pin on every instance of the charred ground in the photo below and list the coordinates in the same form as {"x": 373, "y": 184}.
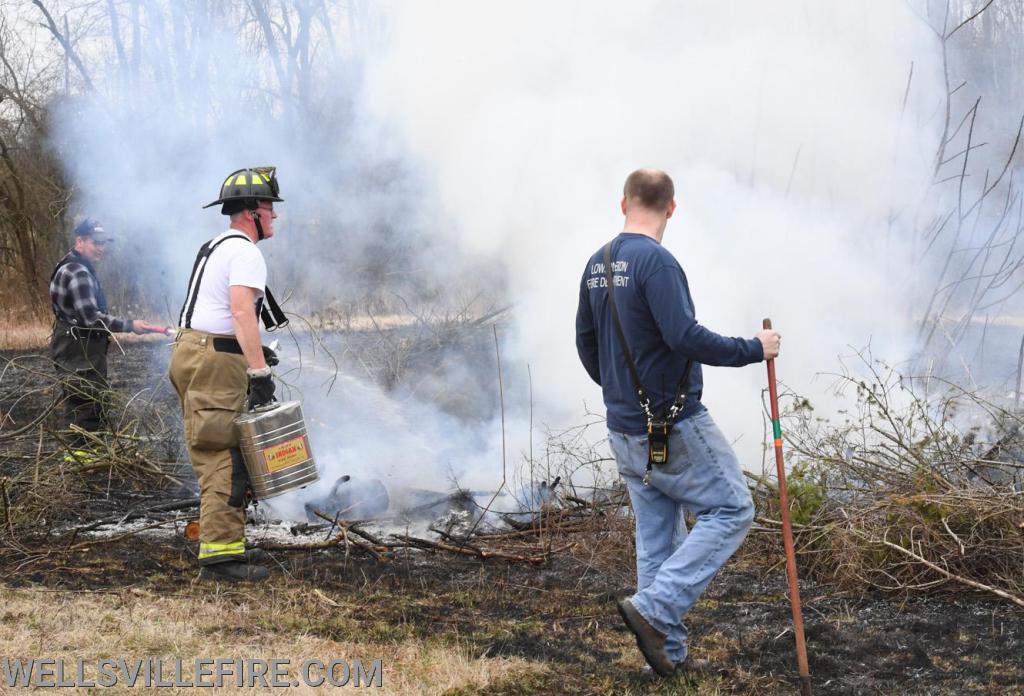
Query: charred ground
{"x": 561, "y": 617}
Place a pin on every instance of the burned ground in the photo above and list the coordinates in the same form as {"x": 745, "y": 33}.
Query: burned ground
{"x": 561, "y": 616}
{"x": 557, "y": 617}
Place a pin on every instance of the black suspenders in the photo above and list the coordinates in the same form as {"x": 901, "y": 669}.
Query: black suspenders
{"x": 271, "y": 313}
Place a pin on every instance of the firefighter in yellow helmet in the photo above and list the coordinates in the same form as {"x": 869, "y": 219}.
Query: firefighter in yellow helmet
{"x": 218, "y": 361}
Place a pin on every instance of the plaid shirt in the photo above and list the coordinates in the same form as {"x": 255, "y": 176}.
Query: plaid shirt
{"x": 78, "y": 298}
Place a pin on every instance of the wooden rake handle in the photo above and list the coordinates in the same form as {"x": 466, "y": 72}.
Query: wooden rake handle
{"x": 787, "y": 530}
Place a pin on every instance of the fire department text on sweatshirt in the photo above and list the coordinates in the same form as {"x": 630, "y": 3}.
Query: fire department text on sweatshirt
{"x": 660, "y": 323}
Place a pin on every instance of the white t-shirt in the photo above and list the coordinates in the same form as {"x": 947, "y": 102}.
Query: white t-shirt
{"x": 233, "y": 262}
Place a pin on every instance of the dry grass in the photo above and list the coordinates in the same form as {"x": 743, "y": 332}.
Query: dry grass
{"x": 261, "y": 623}
{"x": 23, "y": 336}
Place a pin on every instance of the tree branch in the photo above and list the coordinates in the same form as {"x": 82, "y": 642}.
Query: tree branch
{"x": 66, "y": 43}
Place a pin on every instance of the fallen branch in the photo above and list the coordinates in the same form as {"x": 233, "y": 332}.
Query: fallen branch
{"x": 339, "y": 539}
{"x": 939, "y": 569}
{"x": 171, "y": 506}
{"x": 106, "y": 540}
{"x": 476, "y": 552}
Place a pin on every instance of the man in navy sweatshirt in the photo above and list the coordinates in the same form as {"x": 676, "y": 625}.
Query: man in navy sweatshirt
{"x": 699, "y": 472}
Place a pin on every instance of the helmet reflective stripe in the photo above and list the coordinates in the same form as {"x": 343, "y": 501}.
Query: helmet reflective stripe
{"x": 244, "y": 187}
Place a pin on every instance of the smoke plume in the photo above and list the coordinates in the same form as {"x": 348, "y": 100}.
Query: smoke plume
{"x": 430, "y": 153}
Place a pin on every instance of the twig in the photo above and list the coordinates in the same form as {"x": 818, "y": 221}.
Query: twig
{"x": 65, "y": 41}
{"x": 945, "y": 523}
{"x": 501, "y": 404}
{"x": 478, "y": 553}
{"x": 7, "y": 509}
{"x": 93, "y": 542}
{"x": 967, "y": 21}
{"x": 24, "y": 429}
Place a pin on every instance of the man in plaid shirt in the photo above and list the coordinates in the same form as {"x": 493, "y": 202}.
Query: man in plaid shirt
{"x": 82, "y": 329}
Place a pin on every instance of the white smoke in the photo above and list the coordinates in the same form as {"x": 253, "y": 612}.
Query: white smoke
{"x": 486, "y": 135}
{"x": 153, "y": 143}
{"x": 781, "y": 124}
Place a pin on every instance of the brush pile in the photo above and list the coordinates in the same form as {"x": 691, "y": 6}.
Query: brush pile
{"x": 45, "y": 483}
{"x": 914, "y": 491}
{"x": 568, "y": 524}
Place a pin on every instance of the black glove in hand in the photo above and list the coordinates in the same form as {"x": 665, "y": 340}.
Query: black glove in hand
{"x": 270, "y": 357}
{"x": 261, "y": 389}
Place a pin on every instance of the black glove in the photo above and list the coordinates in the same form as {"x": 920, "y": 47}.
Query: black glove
{"x": 270, "y": 357}
{"x": 261, "y": 388}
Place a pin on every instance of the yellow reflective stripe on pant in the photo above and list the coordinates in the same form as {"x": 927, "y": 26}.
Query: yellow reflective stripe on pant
{"x": 209, "y": 549}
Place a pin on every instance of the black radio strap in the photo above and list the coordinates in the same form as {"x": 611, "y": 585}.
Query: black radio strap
{"x": 273, "y": 317}
{"x": 645, "y": 400}
{"x": 684, "y": 383}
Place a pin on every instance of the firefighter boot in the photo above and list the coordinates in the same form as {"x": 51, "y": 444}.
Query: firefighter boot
{"x": 234, "y": 571}
{"x": 255, "y": 555}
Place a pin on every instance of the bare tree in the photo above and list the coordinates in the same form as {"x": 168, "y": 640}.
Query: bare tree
{"x": 32, "y": 195}
{"x": 973, "y": 241}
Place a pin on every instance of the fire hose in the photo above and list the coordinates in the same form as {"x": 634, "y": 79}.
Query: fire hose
{"x": 166, "y": 330}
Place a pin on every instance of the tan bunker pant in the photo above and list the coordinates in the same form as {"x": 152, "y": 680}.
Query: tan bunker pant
{"x": 212, "y": 387}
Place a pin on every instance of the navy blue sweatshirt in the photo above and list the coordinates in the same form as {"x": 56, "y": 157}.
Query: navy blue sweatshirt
{"x": 660, "y": 323}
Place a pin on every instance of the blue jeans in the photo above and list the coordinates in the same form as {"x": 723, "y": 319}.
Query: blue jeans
{"x": 703, "y": 476}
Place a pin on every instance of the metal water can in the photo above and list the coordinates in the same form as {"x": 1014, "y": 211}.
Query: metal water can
{"x": 276, "y": 449}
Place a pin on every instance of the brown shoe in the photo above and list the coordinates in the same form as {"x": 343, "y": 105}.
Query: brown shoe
{"x": 650, "y": 640}
{"x": 690, "y": 665}
{"x": 695, "y": 665}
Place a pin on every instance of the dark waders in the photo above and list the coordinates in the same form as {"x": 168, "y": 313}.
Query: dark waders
{"x": 80, "y": 357}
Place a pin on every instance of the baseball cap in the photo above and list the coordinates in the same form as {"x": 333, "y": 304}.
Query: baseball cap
{"x": 92, "y": 228}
